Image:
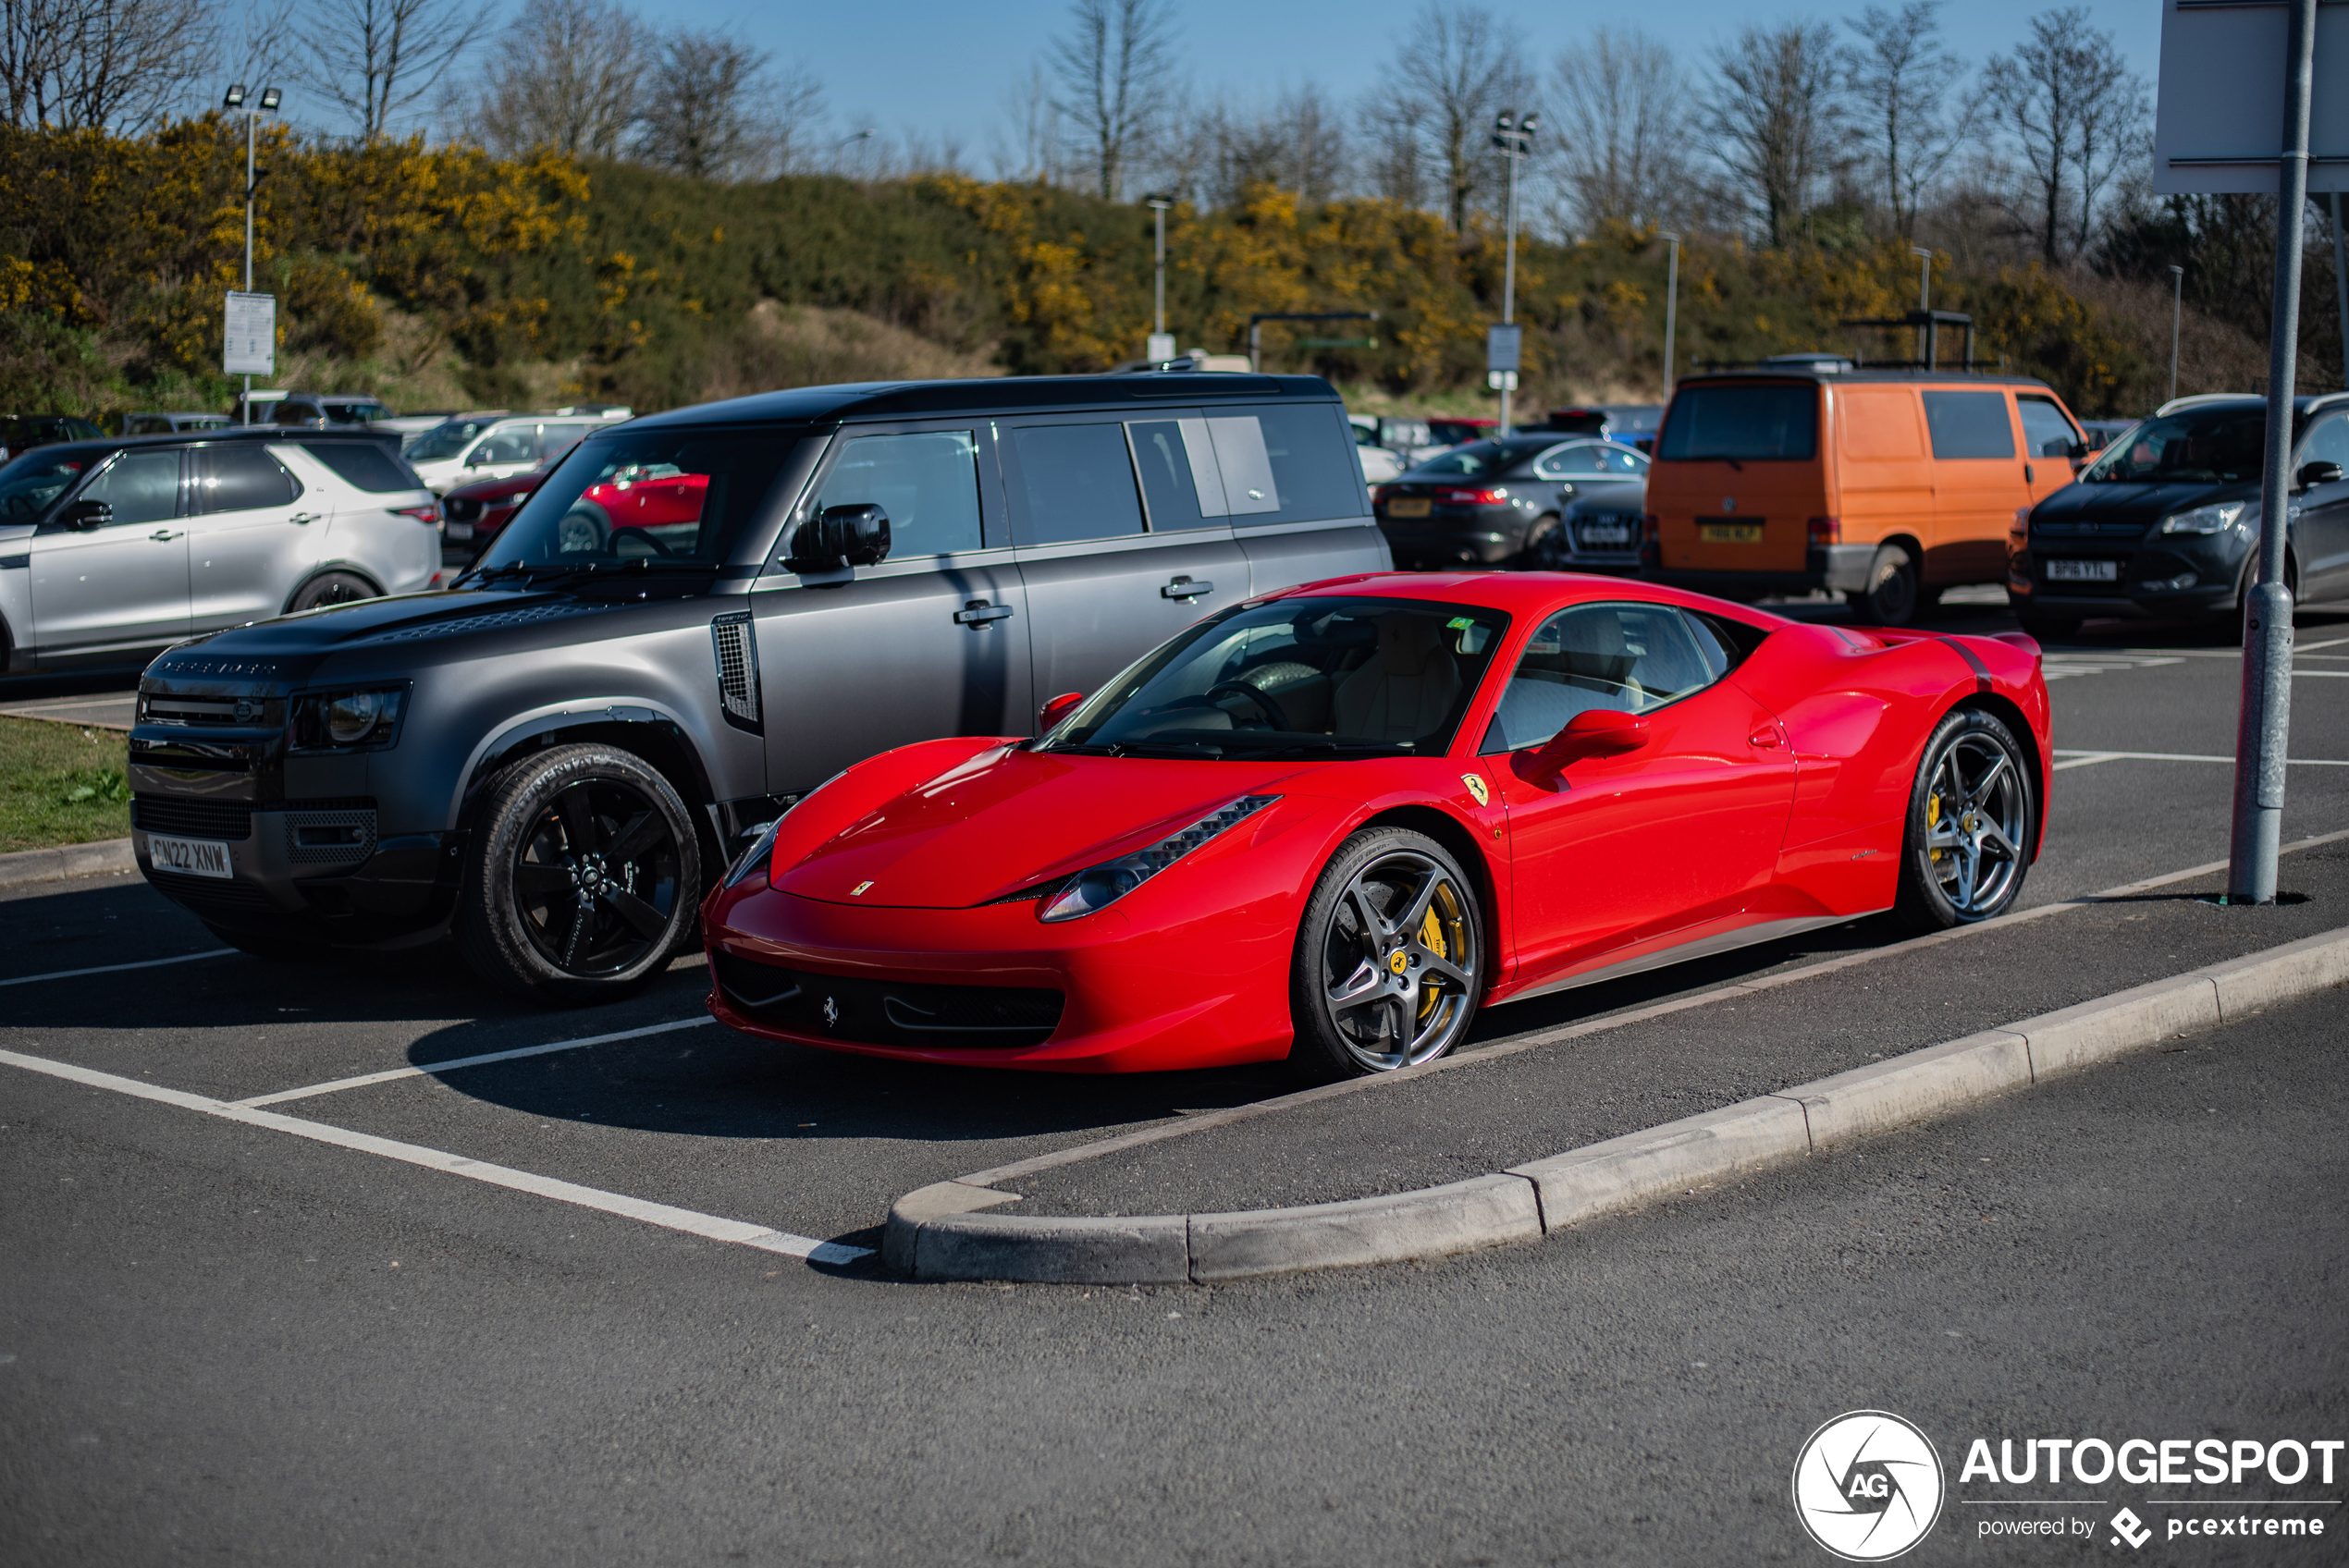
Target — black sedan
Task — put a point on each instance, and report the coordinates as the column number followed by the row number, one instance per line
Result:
column 2164, row 523
column 1545, row 501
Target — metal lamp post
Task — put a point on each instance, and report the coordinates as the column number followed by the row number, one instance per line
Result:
column 1513, row 134
column 234, row 99
column 1161, row 346
column 1925, row 296
column 1671, row 307
column 2177, row 309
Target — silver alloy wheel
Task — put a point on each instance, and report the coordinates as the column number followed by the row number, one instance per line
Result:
column 1976, row 816
column 1398, row 961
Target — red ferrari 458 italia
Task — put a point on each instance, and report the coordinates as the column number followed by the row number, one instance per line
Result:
column 1332, row 824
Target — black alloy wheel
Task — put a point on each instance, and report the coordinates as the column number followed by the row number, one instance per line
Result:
column 1389, row 966
column 1973, row 815
column 332, row 588
column 585, row 877
column 1891, row 596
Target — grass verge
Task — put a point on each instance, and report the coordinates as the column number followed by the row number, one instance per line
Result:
column 61, row 784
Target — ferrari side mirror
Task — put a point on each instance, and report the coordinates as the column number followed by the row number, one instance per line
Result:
column 1060, row 707
column 1594, row 732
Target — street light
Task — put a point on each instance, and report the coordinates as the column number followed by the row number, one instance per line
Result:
column 234, row 99
column 1671, row 307
column 1161, row 344
column 2177, row 309
column 1513, row 134
column 1925, row 298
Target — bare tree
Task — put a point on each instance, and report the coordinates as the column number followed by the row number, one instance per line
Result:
column 377, row 59
column 714, row 109
column 1394, row 159
column 1114, row 66
column 1297, row 144
column 566, row 77
column 1897, row 81
column 2065, row 97
column 1621, row 123
column 1030, row 146
column 1773, row 119
column 122, row 65
column 1448, row 80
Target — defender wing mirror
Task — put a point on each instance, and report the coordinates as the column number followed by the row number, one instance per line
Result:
column 1594, row 732
column 852, row 536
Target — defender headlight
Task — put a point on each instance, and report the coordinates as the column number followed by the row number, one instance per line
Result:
column 1104, row 884
column 343, row 720
column 2204, row 520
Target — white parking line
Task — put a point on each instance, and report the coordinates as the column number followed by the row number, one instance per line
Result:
column 110, row 968
column 2082, row 759
column 454, row 1062
column 739, row 1232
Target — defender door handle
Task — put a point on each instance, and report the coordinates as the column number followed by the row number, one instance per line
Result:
column 1183, row 588
column 978, row 613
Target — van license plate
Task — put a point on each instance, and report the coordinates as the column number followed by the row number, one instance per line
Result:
column 189, row 857
column 2083, row 571
column 1729, row 533
column 1408, row 506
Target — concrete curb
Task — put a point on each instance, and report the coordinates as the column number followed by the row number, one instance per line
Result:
column 936, row 1232
column 68, row 860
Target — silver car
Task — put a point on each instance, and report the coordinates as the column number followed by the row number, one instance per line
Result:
column 111, row 550
column 696, row 620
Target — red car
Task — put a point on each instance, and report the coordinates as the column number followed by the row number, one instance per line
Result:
column 474, row 513
column 646, row 498
column 1332, row 824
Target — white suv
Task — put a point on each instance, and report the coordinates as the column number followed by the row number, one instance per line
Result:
column 498, row 446
column 111, row 549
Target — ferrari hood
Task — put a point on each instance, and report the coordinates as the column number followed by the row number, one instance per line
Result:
column 1009, row 819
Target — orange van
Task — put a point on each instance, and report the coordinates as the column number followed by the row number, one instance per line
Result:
column 1884, row 485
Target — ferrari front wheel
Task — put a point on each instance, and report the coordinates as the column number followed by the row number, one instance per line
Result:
column 1972, row 817
column 1390, row 955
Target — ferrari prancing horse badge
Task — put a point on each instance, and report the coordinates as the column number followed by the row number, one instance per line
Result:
column 1476, row 787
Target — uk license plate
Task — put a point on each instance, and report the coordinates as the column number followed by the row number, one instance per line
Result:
column 1729, row 533
column 1606, row 533
column 1410, row 506
column 189, row 857
column 460, row 531
column 2083, row 571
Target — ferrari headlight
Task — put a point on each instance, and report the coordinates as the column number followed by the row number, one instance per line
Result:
column 2203, row 519
column 754, row 861
column 340, row 721
column 1104, row 884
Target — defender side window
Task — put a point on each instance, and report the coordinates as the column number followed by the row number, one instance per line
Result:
column 926, row 481
column 1077, row 482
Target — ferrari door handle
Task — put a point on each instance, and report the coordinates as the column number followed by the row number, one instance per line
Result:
column 164, row 535
column 978, row 614
column 1183, row 588
column 1766, row 738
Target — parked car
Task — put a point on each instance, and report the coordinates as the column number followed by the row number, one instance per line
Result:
column 410, row 427
column 328, row 409
column 556, row 757
column 1884, row 485
column 171, row 423
column 2166, row 522
column 472, row 514
column 2098, row 434
column 1379, row 464
column 1255, row 844
column 1507, row 503
column 1628, row 424
column 1460, row 432
column 1411, row 440
column 22, row 432
column 124, row 547
column 502, row 446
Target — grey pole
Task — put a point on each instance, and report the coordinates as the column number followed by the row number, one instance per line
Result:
column 1924, row 300
column 1671, row 308
column 2339, row 288
column 252, row 118
column 2264, row 724
column 1160, row 209
column 1508, row 269
column 2177, row 309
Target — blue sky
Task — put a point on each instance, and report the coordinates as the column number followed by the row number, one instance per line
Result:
column 940, row 69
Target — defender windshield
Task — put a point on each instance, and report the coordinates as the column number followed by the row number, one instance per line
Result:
column 2208, row 446
column 1313, row 677
column 656, row 496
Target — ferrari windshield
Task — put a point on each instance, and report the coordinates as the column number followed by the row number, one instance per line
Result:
column 2219, row 444
column 1307, row 676
column 659, row 498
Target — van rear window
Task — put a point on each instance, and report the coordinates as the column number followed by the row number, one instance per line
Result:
column 1747, row 423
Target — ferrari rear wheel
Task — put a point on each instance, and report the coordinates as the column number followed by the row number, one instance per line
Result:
column 1390, row 958
column 1972, row 817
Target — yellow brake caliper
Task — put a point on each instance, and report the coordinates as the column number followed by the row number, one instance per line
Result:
column 1432, row 938
column 1933, row 820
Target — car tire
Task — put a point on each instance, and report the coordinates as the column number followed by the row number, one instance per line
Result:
column 1541, row 546
column 1372, row 987
column 1974, row 814
column 1891, row 598
column 583, row 876
column 2046, row 628
column 332, row 588
column 582, row 530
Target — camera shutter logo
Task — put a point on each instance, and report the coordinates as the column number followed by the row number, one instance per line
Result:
column 1867, row 1486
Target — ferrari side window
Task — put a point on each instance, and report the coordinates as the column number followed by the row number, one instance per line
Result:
column 1631, row 658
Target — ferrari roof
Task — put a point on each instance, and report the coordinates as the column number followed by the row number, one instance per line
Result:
column 1513, row 592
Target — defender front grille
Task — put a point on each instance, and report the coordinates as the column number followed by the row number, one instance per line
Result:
column 735, row 642
column 192, row 819
column 329, row 838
